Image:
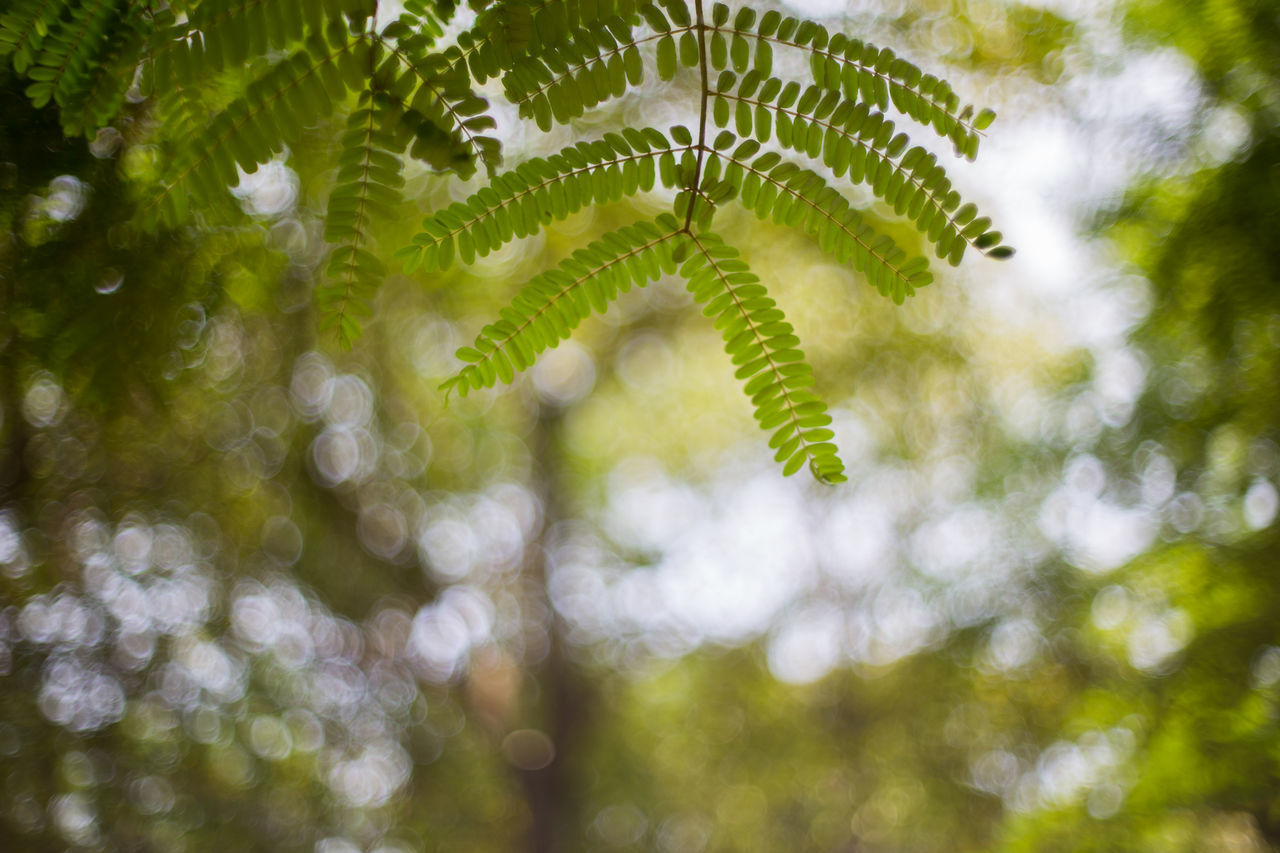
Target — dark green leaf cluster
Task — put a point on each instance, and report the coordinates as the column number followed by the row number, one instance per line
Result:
column 273, row 111
column 589, row 68
column 77, row 55
column 304, row 61
column 508, row 32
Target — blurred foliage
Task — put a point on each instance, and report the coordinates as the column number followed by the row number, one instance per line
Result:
column 256, row 594
column 994, row 38
column 1182, row 643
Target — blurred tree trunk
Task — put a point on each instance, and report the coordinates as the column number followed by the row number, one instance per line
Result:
column 12, row 432
column 558, row 694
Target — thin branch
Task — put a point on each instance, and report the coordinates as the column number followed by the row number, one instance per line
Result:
column 702, row 117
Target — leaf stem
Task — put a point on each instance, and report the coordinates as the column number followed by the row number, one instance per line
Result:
column 702, row 118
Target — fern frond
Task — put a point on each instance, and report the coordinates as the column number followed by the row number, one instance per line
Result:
column 863, row 72
column 432, row 88
column 507, row 32
column 554, row 70
column 577, row 75
column 765, row 350
column 519, row 203
column 368, row 185
column 852, row 138
column 416, row 93
column 552, row 305
column 772, row 188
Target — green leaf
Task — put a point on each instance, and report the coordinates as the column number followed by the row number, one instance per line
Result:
column 719, row 50
column 666, row 58
column 634, row 65
column 764, row 58
column 689, row 50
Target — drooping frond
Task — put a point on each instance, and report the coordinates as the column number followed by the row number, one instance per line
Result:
column 368, row 186
column 551, row 306
column 781, row 191
column 410, row 98
column 414, row 100
column 766, row 352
